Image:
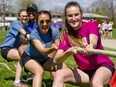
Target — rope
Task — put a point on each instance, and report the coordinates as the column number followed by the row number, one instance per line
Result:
column 7, row 67
column 97, row 51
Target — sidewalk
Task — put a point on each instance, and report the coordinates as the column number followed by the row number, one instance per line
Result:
column 109, row 43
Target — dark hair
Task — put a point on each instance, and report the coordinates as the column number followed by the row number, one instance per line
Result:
column 32, row 6
column 72, row 35
column 44, row 12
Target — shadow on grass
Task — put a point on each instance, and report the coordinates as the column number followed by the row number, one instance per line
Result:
column 9, row 78
column 47, row 83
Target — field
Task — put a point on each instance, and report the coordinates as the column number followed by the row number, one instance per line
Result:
column 7, row 69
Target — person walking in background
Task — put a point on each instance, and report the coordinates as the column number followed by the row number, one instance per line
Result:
column 43, row 41
column 110, row 25
column 104, row 29
column 94, row 70
column 60, row 25
column 55, row 24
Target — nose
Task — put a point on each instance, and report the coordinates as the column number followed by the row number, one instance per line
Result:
column 73, row 17
column 44, row 23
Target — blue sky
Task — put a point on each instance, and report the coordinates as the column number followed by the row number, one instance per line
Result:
column 49, row 4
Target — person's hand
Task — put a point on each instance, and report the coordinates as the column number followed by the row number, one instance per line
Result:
column 25, row 41
column 28, row 36
column 54, row 46
column 89, row 47
column 74, row 50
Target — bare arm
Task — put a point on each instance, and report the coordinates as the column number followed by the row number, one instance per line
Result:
column 51, row 55
column 61, row 55
column 93, row 41
column 39, row 46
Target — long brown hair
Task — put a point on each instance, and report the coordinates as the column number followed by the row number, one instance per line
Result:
column 73, row 37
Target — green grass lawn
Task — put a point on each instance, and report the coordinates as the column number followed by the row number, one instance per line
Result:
column 7, row 76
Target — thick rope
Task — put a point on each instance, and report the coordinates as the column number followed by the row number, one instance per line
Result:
column 97, row 51
column 3, row 64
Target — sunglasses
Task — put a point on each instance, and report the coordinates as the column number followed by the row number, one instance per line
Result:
column 43, row 21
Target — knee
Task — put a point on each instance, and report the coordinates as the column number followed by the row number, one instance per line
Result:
column 39, row 72
column 59, row 75
column 95, row 83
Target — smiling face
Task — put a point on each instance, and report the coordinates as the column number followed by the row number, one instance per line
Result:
column 74, row 16
column 23, row 17
column 44, row 23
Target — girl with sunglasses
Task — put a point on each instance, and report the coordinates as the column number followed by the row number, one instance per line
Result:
column 43, row 41
column 94, row 70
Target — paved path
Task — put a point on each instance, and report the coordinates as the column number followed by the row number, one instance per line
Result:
column 109, row 43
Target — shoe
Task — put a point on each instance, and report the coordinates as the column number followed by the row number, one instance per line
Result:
column 19, row 84
column 30, row 78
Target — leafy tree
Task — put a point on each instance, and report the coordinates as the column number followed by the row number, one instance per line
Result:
column 4, row 7
column 19, row 4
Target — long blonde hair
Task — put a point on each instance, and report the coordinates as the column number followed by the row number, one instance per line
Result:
column 73, row 37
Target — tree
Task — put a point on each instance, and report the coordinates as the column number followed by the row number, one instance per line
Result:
column 19, row 4
column 4, row 6
column 105, row 7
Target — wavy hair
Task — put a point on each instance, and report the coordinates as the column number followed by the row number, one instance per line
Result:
column 73, row 37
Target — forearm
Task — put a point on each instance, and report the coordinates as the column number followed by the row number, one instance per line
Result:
column 93, row 40
column 62, row 56
column 47, row 51
column 43, row 50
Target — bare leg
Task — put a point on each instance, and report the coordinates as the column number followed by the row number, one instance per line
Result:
column 18, row 67
column 51, row 55
column 74, row 76
column 101, row 77
column 50, row 66
column 37, row 70
column 22, row 48
column 18, row 72
column 13, row 54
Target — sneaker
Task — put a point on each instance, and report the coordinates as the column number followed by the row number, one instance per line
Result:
column 19, row 84
column 30, row 78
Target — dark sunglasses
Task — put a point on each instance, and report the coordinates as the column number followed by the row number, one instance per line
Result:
column 42, row 21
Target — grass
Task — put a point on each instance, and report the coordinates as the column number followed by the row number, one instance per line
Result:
column 7, row 76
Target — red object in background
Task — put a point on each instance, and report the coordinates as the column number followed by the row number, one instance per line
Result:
column 113, row 80
column 96, row 22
